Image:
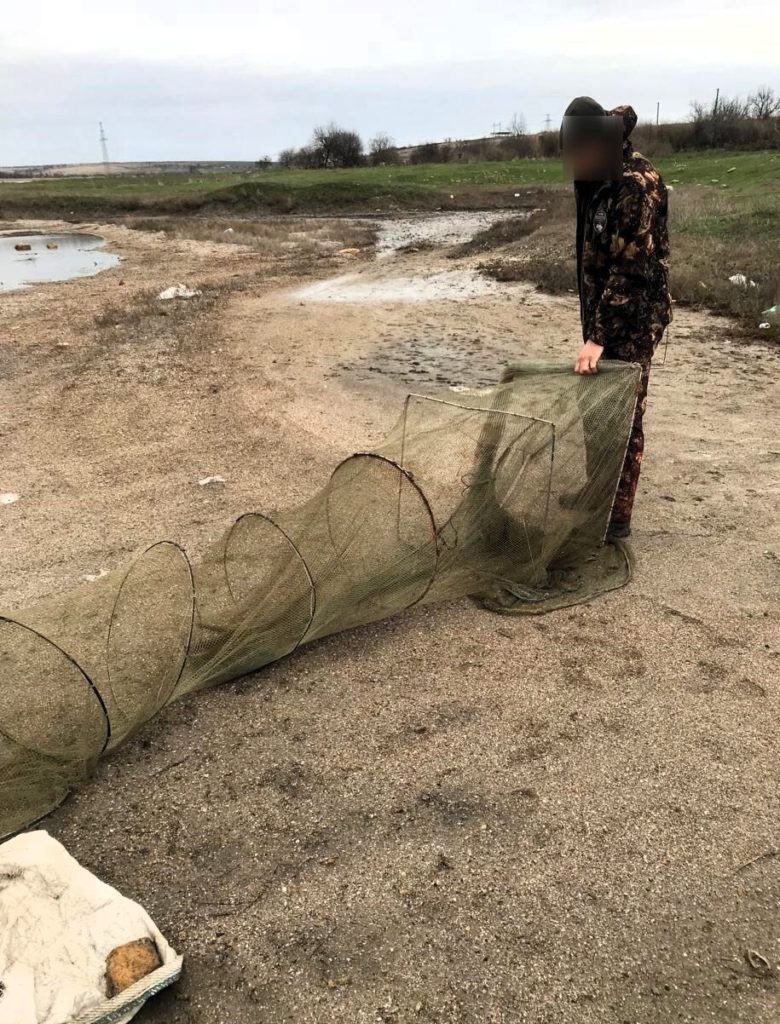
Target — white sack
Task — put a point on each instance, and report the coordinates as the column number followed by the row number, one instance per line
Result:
column 58, row 923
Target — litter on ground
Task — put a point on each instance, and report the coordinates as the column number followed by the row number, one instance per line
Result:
column 742, row 281
column 93, row 576
column 73, row 950
column 179, row 291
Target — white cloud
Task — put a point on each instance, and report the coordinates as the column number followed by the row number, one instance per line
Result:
column 236, row 79
column 309, row 35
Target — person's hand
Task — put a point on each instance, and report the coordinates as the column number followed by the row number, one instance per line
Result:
column 588, row 358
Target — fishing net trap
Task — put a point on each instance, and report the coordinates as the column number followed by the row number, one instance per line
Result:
column 502, row 494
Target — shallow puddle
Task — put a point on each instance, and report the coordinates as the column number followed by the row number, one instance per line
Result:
column 438, row 229
column 26, row 260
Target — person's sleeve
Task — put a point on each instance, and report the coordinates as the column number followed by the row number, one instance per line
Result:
column 623, row 303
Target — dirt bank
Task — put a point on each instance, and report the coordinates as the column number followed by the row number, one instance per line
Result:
column 448, row 817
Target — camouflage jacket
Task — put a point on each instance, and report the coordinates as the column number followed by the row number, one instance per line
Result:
column 624, row 296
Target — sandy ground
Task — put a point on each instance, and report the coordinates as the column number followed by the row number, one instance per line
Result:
column 450, row 816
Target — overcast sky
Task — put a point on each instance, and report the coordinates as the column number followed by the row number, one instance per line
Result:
column 237, row 79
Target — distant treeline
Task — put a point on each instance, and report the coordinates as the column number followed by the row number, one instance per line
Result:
column 726, row 123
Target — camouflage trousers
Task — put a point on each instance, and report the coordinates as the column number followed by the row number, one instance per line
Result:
column 638, row 351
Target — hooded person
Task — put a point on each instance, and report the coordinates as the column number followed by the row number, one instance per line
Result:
column 622, row 248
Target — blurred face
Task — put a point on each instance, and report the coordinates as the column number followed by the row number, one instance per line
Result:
column 592, row 148
column 587, row 161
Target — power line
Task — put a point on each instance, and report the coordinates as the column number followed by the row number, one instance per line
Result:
column 104, row 148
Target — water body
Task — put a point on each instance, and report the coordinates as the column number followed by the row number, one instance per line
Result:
column 58, row 257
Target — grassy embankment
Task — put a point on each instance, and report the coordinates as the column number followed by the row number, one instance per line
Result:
column 725, row 212
column 724, row 220
column 362, row 190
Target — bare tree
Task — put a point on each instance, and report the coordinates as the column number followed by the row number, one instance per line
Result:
column 308, row 157
column 722, row 109
column 730, row 110
column 719, row 123
column 517, row 126
column 764, row 104
column 548, row 144
column 337, row 147
column 382, row 149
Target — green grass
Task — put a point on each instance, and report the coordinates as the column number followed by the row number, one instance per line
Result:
column 727, row 217
column 435, row 176
column 408, row 186
column 744, row 174
column 725, row 208
column 715, row 232
column 302, row 191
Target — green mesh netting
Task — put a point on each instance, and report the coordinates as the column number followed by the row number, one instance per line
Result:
column 503, row 494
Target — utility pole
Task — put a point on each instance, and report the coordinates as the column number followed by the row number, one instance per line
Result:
column 657, row 112
column 104, row 148
column 547, row 123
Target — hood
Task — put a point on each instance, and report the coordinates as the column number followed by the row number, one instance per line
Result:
column 628, row 116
